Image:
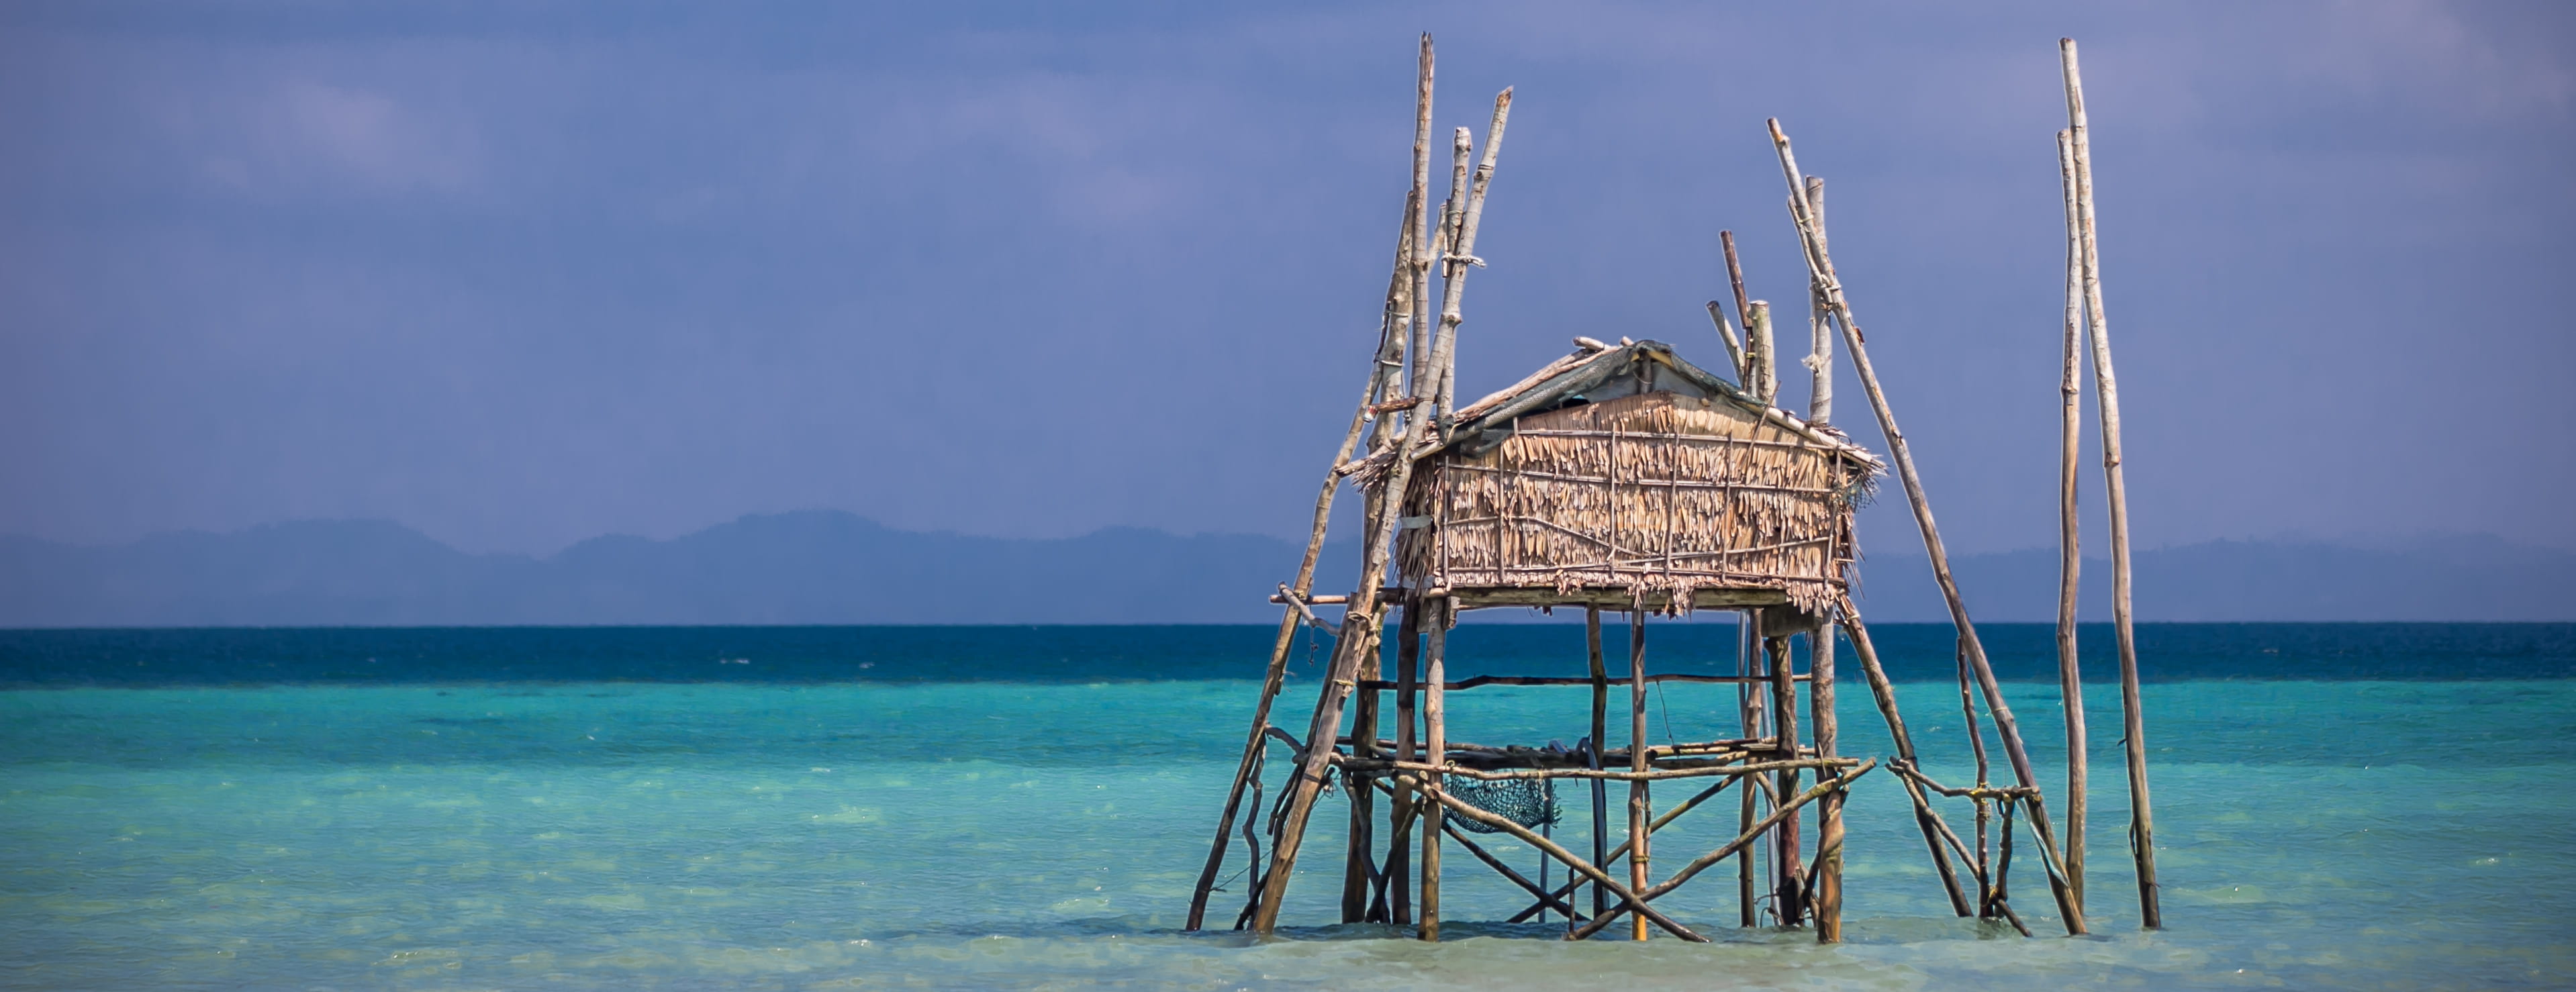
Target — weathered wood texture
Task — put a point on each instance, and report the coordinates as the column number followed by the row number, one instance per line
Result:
column 2106, row 396
column 2070, row 538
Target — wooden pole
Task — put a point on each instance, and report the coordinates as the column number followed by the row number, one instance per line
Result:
column 1600, row 732
column 1743, row 306
column 1788, row 864
column 1726, row 336
column 1884, row 692
column 2070, row 562
column 1309, row 778
column 1853, row 341
column 1436, row 733
column 2106, row 395
column 1748, row 703
column 1444, row 345
column 1820, row 337
column 1761, row 357
column 1638, row 803
column 1419, row 378
column 1398, row 315
column 1359, row 865
column 1829, row 810
column 1402, row 810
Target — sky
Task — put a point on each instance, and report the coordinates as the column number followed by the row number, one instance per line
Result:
column 521, row 274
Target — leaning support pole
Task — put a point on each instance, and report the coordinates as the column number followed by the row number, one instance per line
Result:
column 1379, row 540
column 2142, row 830
column 1382, row 369
column 1821, row 265
column 1884, row 692
column 2070, row 562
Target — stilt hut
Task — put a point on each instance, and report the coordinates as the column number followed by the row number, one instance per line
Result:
column 1619, row 478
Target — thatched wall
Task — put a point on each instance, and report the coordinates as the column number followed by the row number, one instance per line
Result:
column 1650, row 492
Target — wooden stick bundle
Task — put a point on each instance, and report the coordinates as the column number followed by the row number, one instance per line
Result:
column 2142, row 831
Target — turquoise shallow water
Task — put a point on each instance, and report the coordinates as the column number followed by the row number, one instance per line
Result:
column 567, row 834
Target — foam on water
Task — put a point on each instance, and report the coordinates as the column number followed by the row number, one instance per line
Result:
column 2344, row 834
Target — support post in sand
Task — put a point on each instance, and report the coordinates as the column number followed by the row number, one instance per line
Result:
column 1829, row 810
column 1600, row 729
column 2070, row 562
column 1638, row 803
column 1436, row 742
column 1748, row 639
column 1822, row 264
column 1398, row 871
column 1359, row 861
column 1788, row 864
column 2142, row 830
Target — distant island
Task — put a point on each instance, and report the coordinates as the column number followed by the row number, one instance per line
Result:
column 829, row 567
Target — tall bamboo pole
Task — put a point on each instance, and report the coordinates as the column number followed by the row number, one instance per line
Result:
column 1418, row 378
column 1382, row 368
column 1638, row 809
column 2070, row 673
column 1308, row 780
column 2005, row 727
column 2106, row 390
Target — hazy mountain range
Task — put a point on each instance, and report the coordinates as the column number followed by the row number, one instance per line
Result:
column 825, row 567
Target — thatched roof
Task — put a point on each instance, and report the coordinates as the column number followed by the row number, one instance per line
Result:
column 1592, row 375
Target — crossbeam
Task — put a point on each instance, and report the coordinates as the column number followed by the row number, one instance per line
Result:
column 1701, row 863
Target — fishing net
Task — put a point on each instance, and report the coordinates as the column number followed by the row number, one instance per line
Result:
column 1530, row 802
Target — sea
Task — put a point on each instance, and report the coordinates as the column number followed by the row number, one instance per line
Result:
column 2336, row 806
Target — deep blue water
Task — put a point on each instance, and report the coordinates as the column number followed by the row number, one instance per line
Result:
column 2338, row 806
column 380, row 655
